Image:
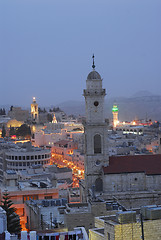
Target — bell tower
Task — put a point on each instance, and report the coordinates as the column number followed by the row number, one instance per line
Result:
column 34, row 110
column 95, row 129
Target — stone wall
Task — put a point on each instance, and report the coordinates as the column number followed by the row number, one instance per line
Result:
column 131, row 182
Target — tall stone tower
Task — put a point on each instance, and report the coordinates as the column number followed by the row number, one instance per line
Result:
column 34, row 110
column 95, row 129
column 115, row 115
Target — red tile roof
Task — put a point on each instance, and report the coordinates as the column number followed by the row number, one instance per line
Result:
column 150, row 164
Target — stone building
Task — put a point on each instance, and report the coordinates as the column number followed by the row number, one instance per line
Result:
column 128, row 225
column 18, row 114
column 21, row 158
column 95, row 129
column 134, row 177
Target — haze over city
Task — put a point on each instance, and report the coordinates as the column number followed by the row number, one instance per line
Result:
column 46, row 48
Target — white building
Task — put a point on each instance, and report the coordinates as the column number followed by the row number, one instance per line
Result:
column 20, row 158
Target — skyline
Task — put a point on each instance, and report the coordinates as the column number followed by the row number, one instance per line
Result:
column 47, row 45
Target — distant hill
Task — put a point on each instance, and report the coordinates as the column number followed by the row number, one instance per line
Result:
column 142, row 105
column 139, row 106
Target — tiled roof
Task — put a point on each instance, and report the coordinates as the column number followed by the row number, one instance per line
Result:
column 150, row 164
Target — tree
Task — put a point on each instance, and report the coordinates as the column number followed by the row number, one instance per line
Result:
column 23, row 131
column 13, row 220
column 2, row 111
column 49, row 117
column 3, row 131
column 12, row 131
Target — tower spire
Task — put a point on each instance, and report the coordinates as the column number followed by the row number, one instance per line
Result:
column 93, row 66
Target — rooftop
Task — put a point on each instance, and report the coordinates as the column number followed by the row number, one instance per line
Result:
column 150, row 164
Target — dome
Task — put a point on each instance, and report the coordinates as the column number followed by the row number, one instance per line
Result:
column 94, row 75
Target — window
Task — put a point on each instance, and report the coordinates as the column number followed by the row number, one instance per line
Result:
column 15, row 157
column 28, row 157
column 39, row 156
column 12, row 157
column 32, row 157
column 48, row 197
column 42, row 156
column 19, row 157
column 97, row 143
column 23, row 157
column 96, row 103
column 24, row 164
column 35, row 156
column 99, row 185
column 26, row 198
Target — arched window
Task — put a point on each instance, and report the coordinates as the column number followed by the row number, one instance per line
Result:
column 97, row 143
column 98, row 185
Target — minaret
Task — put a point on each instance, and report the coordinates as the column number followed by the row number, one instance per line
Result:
column 115, row 116
column 95, row 129
column 34, row 110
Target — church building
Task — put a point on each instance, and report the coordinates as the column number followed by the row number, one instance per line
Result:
column 117, row 176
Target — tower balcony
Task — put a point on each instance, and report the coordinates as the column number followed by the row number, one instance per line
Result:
column 94, row 92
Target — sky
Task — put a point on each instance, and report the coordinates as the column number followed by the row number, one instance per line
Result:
column 46, row 48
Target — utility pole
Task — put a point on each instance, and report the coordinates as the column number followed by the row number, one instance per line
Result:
column 42, row 224
column 142, row 226
column 51, row 220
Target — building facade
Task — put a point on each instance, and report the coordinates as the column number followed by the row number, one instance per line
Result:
column 95, row 129
column 23, row 158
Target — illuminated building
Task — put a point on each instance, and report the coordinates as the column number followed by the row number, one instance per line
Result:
column 25, row 190
column 14, row 123
column 115, row 115
column 34, row 110
column 54, row 119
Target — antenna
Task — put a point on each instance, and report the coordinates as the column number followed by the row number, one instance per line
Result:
column 93, row 66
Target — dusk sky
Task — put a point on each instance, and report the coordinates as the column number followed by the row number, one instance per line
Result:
column 46, row 48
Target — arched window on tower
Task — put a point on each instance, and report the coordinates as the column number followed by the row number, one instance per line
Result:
column 97, row 143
